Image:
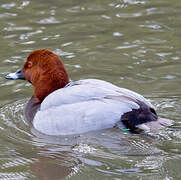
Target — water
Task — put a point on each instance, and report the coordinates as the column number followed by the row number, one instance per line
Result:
column 132, row 43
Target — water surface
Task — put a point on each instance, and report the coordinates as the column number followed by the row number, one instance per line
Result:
column 133, row 44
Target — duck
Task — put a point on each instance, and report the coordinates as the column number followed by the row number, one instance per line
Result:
column 63, row 107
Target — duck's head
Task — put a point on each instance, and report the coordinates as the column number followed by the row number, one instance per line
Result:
column 45, row 71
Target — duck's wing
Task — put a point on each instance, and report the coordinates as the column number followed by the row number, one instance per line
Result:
column 110, row 86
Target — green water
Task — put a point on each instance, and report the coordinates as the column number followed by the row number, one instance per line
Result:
column 133, row 44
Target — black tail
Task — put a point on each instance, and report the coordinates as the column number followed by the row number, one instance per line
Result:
column 144, row 118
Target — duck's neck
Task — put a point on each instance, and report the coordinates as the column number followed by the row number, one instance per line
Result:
column 50, row 82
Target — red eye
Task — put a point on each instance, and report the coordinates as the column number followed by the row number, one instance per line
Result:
column 29, row 64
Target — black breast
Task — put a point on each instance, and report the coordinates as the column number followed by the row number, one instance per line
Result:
column 31, row 109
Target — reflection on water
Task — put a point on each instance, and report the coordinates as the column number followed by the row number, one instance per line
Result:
column 131, row 43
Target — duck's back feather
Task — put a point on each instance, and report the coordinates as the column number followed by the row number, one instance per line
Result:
column 88, row 89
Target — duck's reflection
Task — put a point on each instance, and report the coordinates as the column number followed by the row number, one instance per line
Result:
column 47, row 169
column 55, row 160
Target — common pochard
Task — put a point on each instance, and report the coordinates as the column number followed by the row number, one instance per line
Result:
column 61, row 107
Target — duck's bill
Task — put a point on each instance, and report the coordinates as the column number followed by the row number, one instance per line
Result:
column 16, row 75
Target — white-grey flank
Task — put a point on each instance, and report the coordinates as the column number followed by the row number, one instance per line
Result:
column 83, row 106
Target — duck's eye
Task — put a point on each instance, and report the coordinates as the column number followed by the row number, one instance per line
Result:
column 29, row 64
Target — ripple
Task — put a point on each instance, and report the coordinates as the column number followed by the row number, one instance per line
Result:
column 66, row 44
column 29, row 34
column 106, row 17
column 18, row 28
column 151, row 11
column 127, row 15
column 12, row 118
column 83, row 148
column 28, row 42
column 7, row 15
column 151, row 163
column 134, row 2
column 8, row 6
column 17, row 161
column 10, row 36
column 75, row 9
column 175, row 58
column 163, row 54
column 127, row 47
column 14, row 132
column 169, row 106
column 63, row 53
column 153, row 26
column 14, row 176
column 117, row 34
column 24, row 4
column 169, row 77
column 119, row 171
column 50, row 20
